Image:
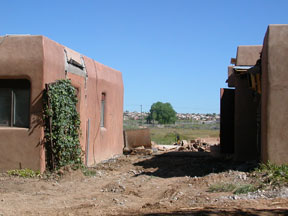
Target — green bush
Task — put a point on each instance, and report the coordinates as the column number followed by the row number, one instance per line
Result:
column 273, row 174
column 25, row 173
column 62, row 125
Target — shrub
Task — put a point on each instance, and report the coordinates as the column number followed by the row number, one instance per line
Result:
column 273, row 174
column 25, row 173
column 62, row 125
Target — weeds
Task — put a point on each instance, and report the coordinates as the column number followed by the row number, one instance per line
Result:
column 89, row 172
column 187, row 130
column 24, row 173
column 273, row 174
column 168, row 135
column 266, row 175
column 222, row 187
column 244, row 189
column 236, row 189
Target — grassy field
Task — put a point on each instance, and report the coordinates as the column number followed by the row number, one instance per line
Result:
column 168, row 135
column 186, row 130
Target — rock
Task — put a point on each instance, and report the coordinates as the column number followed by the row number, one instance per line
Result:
column 114, row 188
column 181, row 148
column 184, row 142
column 126, row 151
column 201, row 149
column 142, row 151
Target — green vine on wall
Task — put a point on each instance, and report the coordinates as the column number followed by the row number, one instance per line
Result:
column 61, row 125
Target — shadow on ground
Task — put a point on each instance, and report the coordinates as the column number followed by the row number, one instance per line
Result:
column 177, row 164
column 215, row 212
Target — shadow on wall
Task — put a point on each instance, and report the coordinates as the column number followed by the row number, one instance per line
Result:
column 178, row 164
column 36, row 111
column 214, row 212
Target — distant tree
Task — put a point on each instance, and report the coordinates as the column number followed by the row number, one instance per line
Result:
column 162, row 112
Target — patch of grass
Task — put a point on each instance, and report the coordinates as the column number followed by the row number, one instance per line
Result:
column 186, row 129
column 273, row 174
column 235, row 188
column 168, row 135
column 88, row 172
column 131, row 124
column 245, row 188
column 222, row 187
column 24, row 173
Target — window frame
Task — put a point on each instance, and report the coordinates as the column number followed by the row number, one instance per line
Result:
column 102, row 110
column 11, row 86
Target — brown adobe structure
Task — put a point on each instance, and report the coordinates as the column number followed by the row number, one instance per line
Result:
column 254, row 113
column 27, row 63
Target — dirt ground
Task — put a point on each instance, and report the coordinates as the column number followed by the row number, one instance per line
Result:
column 170, row 183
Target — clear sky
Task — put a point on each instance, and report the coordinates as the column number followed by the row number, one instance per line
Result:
column 173, row 51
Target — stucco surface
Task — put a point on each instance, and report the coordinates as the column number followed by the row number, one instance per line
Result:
column 248, row 55
column 21, row 57
column 42, row 61
column 245, row 121
column 106, row 141
column 275, row 95
column 136, row 138
column 231, row 77
column 53, row 63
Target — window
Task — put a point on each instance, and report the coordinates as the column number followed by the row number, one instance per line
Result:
column 102, row 109
column 14, row 102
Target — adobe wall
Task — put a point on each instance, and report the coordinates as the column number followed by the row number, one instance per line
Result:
column 248, row 55
column 136, row 138
column 22, row 57
column 231, row 77
column 104, row 142
column 227, row 98
column 245, row 121
column 245, row 117
column 54, row 69
column 42, row 61
column 275, row 95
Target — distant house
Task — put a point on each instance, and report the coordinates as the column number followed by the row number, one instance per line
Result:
column 27, row 63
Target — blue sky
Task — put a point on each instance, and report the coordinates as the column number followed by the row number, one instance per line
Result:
column 173, row 51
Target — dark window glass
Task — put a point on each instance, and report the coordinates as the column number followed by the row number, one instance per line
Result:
column 5, row 107
column 14, row 103
column 21, row 107
column 102, row 110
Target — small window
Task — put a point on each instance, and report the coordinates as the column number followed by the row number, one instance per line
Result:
column 14, row 102
column 102, row 109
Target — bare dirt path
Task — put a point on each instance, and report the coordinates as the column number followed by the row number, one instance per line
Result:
column 173, row 183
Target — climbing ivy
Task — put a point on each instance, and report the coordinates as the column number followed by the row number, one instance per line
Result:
column 61, row 125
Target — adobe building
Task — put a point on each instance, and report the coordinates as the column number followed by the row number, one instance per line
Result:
column 274, row 97
column 239, row 107
column 27, row 63
column 253, row 112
